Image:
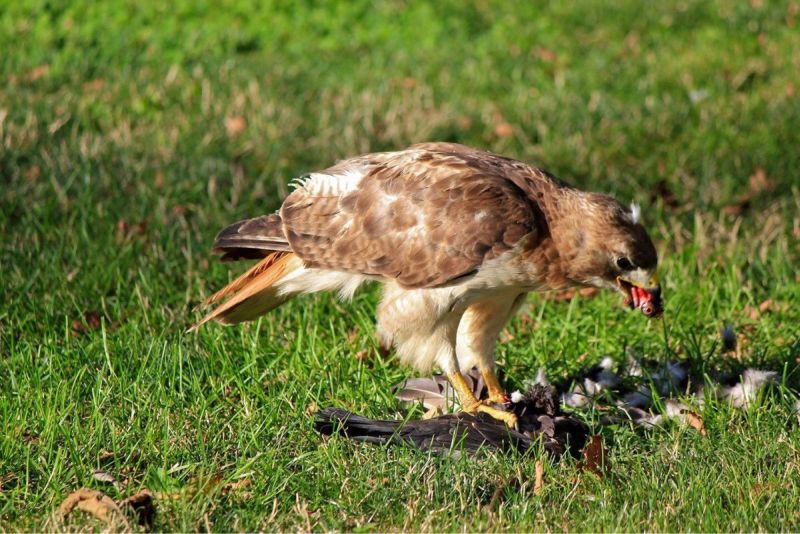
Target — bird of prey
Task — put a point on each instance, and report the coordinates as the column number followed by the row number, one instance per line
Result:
column 456, row 236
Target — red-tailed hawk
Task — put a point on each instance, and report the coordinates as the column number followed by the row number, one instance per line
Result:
column 456, row 236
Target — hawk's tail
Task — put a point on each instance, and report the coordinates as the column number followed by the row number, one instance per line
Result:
column 252, row 238
column 255, row 292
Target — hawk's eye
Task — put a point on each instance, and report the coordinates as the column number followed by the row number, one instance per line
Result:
column 624, row 264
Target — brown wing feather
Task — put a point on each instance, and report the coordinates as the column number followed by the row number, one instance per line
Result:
column 425, row 216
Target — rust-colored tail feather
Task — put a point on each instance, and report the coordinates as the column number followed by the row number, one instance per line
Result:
column 254, row 293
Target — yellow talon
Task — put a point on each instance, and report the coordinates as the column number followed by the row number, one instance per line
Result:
column 472, row 405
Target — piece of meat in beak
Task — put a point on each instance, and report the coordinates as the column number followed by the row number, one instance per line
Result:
column 645, row 298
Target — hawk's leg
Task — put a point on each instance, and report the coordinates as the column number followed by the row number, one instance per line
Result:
column 478, row 331
column 496, row 392
column 472, row 405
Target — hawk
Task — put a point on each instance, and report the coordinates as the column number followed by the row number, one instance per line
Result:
column 456, row 236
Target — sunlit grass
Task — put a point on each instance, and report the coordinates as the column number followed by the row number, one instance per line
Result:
column 118, row 164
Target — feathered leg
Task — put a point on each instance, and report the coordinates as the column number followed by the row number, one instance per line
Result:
column 423, row 326
column 478, row 330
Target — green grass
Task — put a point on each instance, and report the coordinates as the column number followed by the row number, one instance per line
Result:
column 116, row 171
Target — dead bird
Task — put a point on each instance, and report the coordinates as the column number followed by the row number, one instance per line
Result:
column 537, row 413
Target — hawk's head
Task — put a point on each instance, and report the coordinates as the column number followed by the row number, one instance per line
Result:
column 612, row 250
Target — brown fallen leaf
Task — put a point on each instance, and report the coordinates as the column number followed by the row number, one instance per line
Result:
column 93, row 86
column 765, row 306
column 409, row 83
column 235, row 125
column 758, row 183
column 538, row 481
column 311, row 409
column 661, row 190
column 752, row 312
column 92, row 320
column 595, row 457
column 791, row 13
column 695, row 421
column 32, row 173
column 93, row 502
column 526, row 319
column 38, row 72
column 545, row 54
column 236, row 486
column 506, row 336
column 464, row 122
column 142, row 505
column 352, row 335
column 127, row 231
column 503, row 129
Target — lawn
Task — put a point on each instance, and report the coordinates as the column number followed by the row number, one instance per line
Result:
column 131, row 132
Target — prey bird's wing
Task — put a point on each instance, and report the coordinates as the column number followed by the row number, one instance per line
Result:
column 425, row 216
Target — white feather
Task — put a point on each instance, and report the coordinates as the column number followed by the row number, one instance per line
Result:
column 636, row 212
column 320, row 184
column 313, row 280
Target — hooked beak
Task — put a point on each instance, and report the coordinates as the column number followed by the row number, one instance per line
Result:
column 644, row 296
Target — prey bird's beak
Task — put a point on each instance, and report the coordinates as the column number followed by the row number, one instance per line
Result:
column 642, row 292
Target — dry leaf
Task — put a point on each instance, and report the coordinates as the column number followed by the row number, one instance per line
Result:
column 661, row 190
column 464, row 122
column 92, row 320
column 526, row 319
column 142, row 505
column 751, row 312
column 196, row 486
column 311, row 409
column 504, row 129
column 759, row 183
column 236, row 486
column 506, row 336
column 546, row 55
column 127, row 231
column 94, row 85
column 538, row 481
column 765, row 306
column 93, row 502
column 352, row 335
column 38, row 72
column 695, row 421
column 235, row 125
column 560, row 296
column 595, row 457
column 32, row 173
